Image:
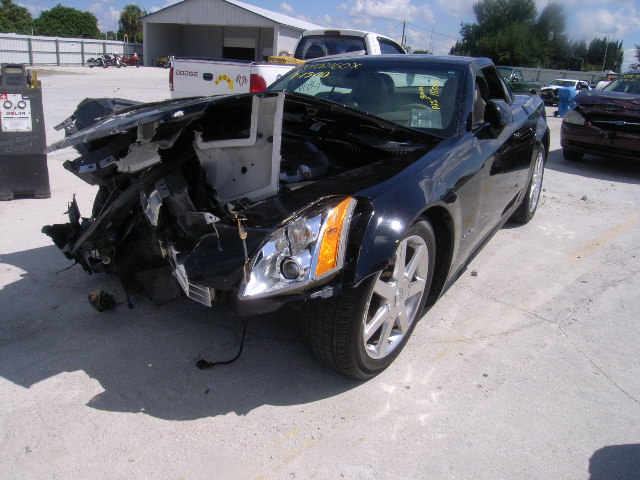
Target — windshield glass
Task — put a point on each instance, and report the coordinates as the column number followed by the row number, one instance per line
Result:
column 563, row 83
column 505, row 72
column 627, row 83
column 420, row 95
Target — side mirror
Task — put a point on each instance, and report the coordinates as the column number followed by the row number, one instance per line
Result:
column 498, row 113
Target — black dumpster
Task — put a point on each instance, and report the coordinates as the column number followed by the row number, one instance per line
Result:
column 23, row 163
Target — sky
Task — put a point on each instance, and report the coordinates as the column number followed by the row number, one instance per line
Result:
column 432, row 25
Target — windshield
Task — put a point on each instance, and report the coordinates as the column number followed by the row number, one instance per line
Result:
column 627, row 83
column 505, row 72
column 563, row 83
column 420, row 95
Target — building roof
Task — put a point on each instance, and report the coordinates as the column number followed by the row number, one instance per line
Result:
column 279, row 18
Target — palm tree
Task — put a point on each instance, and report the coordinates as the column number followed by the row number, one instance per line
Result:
column 130, row 21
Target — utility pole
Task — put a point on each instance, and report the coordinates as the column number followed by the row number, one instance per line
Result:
column 433, row 29
column 404, row 25
column 606, row 39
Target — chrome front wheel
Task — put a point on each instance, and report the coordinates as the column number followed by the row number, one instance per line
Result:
column 362, row 330
column 395, row 298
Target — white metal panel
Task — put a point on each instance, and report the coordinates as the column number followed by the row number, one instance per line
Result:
column 286, row 40
column 45, row 58
column 14, row 43
column 14, row 57
column 44, row 45
column 69, row 46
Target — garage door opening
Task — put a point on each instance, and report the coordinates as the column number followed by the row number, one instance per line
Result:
column 239, row 48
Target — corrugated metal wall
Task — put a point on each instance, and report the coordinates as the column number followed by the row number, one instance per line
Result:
column 36, row 50
column 209, row 12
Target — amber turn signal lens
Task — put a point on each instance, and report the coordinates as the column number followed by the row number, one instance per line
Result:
column 330, row 245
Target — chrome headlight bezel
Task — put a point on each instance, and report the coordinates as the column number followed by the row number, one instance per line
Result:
column 299, row 242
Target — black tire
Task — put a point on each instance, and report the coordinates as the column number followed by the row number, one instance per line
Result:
column 334, row 328
column 104, row 65
column 529, row 204
column 572, row 155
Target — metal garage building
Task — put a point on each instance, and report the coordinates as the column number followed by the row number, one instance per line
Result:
column 219, row 29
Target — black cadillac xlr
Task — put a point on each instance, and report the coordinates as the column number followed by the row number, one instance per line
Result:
column 360, row 185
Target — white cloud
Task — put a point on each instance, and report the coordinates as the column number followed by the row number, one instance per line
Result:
column 107, row 15
column 325, row 20
column 168, row 3
column 458, row 8
column 390, row 9
column 285, row 7
column 33, row 10
column 588, row 23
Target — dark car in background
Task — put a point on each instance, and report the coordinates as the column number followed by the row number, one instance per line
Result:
column 514, row 77
column 362, row 186
column 604, row 122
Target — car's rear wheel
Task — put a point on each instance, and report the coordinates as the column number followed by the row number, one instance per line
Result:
column 572, row 155
column 527, row 208
column 360, row 332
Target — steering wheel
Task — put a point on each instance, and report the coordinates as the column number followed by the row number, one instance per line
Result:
column 409, row 106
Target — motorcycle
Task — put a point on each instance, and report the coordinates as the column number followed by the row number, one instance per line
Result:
column 164, row 62
column 94, row 62
column 132, row 60
column 111, row 60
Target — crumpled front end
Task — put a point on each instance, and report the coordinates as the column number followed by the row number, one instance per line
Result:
column 248, row 197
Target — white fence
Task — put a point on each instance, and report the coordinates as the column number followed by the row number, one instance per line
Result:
column 545, row 75
column 35, row 50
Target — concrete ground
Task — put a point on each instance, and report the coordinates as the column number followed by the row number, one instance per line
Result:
column 528, row 368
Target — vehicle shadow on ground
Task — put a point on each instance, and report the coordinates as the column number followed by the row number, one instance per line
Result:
column 144, row 358
column 592, row 166
column 615, row 462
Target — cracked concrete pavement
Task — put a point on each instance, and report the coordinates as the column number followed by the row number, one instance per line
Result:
column 529, row 369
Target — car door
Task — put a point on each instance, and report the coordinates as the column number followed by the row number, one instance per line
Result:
column 507, row 152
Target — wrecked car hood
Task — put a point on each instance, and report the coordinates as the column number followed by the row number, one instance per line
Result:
column 190, row 189
column 183, row 110
column 604, row 100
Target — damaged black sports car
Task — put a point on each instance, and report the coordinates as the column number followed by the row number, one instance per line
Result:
column 359, row 185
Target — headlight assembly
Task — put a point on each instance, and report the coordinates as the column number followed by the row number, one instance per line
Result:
column 574, row 117
column 305, row 250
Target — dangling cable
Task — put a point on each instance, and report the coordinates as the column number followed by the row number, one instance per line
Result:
column 203, row 364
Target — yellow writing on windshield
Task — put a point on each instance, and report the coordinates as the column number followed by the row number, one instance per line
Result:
column 330, row 66
column 305, row 75
column 433, row 102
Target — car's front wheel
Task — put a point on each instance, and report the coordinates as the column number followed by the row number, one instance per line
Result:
column 360, row 332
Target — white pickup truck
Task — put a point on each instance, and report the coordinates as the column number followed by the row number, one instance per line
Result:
column 192, row 77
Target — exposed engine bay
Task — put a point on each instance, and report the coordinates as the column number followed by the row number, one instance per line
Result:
column 214, row 195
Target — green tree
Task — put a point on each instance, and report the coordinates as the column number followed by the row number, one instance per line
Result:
column 130, row 22
column 636, row 66
column 494, row 16
column 14, row 18
column 67, row 22
column 605, row 54
column 512, row 33
column 420, row 51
